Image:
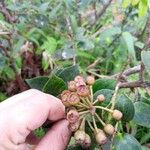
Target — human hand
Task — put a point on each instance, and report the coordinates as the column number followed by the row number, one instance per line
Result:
column 25, row 112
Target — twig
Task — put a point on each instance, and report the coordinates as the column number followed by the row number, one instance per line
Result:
column 134, row 84
column 113, row 99
column 102, row 11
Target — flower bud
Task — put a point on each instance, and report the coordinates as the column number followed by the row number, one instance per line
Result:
column 73, row 99
column 73, row 127
column 101, row 98
column 83, row 90
column 87, row 141
column 79, row 136
column 90, row 80
column 101, row 137
column 117, row 114
column 73, row 116
column 72, row 86
column 64, row 97
column 109, row 129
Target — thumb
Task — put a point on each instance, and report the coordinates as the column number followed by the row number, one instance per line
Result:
column 56, row 138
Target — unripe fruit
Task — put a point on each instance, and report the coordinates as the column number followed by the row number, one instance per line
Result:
column 74, row 126
column 83, row 90
column 79, row 81
column 72, row 86
column 73, row 116
column 79, row 136
column 109, row 129
column 78, row 78
column 87, row 141
column 73, row 99
column 101, row 98
column 90, row 80
column 64, row 97
column 101, row 137
column 117, row 114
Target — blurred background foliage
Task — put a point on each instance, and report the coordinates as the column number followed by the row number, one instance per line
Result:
column 102, row 36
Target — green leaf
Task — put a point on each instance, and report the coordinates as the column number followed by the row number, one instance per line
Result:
column 134, row 2
column 107, row 93
column 143, row 8
column 54, row 86
column 125, row 105
column 145, row 56
column 37, row 82
column 69, row 73
column 142, row 114
column 126, row 142
column 104, row 84
column 129, row 41
column 50, row 45
column 126, row 3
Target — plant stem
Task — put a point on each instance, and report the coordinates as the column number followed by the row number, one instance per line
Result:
column 88, row 101
column 103, row 108
column 90, row 125
column 91, row 91
column 84, row 112
column 94, row 123
column 113, row 99
column 84, row 101
column 95, row 102
column 82, row 105
column 100, row 120
column 82, row 125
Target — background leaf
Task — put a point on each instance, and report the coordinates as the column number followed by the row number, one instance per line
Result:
column 145, row 55
column 54, row 86
column 142, row 114
column 69, row 73
column 126, row 142
column 37, row 82
column 104, row 84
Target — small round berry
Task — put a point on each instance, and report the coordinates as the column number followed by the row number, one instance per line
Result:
column 101, row 98
column 117, row 114
column 64, row 97
column 83, row 90
column 72, row 86
column 73, row 99
column 101, row 137
column 73, row 116
column 78, row 78
column 79, row 136
column 73, row 127
column 90, row 80
column 87, row 142
column 109, row 129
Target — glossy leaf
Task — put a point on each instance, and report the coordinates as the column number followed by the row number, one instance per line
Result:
column 54, row 86
column 37, row 82
column 126, row 142
column 142, row 114
column 128, row 38
column 69, row 73
column 104, row 84
column 145, row 55
column 125, row 105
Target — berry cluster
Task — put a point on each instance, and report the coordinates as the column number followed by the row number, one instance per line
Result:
column 80, row 104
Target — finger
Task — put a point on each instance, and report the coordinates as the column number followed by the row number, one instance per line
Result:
column 17, row 98
column 57, row 138
column 30, row 114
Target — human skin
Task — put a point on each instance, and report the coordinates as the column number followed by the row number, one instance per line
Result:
column 27, row 111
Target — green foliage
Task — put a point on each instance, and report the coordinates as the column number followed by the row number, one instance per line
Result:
column 104, row 84
column 142, row 116
column 126, row 142
column 125, row 105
